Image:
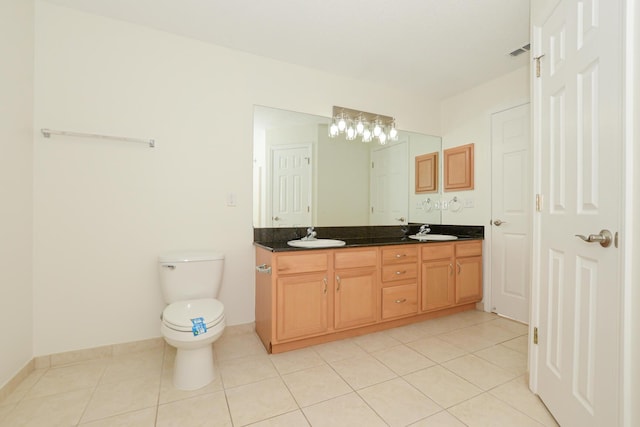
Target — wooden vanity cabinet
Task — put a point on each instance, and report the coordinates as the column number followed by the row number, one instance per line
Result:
column 468, row 271
column 310, row 297
column 437, row 276
column 399, row 281
column 355, row 295
column 301, row 294
column 451, row 274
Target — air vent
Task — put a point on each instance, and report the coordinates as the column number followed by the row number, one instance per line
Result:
column 521, row 50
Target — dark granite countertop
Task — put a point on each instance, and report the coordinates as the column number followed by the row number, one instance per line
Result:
column 275, row 239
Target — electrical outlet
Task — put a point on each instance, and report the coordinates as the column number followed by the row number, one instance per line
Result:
column 468, row 203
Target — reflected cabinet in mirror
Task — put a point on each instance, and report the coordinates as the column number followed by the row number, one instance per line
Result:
column 302, row 177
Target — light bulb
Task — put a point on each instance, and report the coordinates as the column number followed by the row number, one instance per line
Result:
column 377, row 129
column 351, row 133
column 360, row 126
column 366, row 135
column 383, row 138
column 333, row 130
column 393, row 132
column 342, row 124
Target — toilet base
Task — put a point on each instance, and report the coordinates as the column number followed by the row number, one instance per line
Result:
column 193, row 368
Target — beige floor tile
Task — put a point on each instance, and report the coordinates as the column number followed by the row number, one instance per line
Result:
column 315, row 385
column 408, row 333
column 478, row 371
column 206, row 410
column 442, row 386
column 520, row 344
column 436, row 349
column 402, row 359
column 376, row 341
column 62, row 409
column 516, row 327
column 133, row 365
column 121, row 397
column 398, row 403
column 488, row 411
column 237, row 346
column 23, row 388
column 142, row 418
column 168, row 393
column 4, row 411
column 68, row 378
column 441, row 419
column 338, row 350
column 496, row 331
column 477, row 316
column 291, row 419
column 507, row 359
column 258, row 401
column 467, row 339
column 236, row 372
column 517, row 394
column 296, row 360
column 344, row 411
column 363, row 371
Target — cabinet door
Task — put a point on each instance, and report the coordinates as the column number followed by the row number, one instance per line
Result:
column 437, row 284
column 468, row 279
column 355, row 298
column 301, row 305
column 458, row 168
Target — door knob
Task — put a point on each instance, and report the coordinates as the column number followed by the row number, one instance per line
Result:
column 604, row 238
column 401, row 219
column 276, row 218
column 498, row 222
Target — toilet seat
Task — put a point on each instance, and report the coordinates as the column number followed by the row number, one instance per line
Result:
column 177, row 316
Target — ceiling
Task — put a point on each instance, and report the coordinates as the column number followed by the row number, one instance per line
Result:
column 436, row 48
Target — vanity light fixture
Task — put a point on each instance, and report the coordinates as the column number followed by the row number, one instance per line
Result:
column 354, row 123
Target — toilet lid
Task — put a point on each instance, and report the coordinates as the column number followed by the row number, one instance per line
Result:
column 179, row 314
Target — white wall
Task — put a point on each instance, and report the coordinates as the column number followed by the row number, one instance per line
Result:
column 466, row 118
column 16, row 178
column 106, row 209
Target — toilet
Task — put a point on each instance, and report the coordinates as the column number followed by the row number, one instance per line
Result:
column 193, row 318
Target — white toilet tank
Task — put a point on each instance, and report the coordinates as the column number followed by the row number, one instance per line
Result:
column 190, row 275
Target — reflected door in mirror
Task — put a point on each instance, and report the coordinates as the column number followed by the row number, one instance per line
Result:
column 291, row 186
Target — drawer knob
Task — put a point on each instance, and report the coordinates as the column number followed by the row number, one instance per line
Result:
column 398, row 273
column 401, row 255
column 400, row 301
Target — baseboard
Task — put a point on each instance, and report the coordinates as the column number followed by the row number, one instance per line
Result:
column 14, row 382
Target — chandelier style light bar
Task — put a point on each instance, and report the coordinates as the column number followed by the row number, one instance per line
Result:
column 354, row 123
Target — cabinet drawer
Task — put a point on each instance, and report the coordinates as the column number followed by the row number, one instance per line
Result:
column 399, row 301
column 356, row 258
column 302, row 263
column 437, row 251
column 395, row 272
column 473, row 248
column 399, row 254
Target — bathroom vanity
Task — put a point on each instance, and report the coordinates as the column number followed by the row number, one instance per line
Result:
column 310, row 296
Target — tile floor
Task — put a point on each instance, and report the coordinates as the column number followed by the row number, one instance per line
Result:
column 467, row 369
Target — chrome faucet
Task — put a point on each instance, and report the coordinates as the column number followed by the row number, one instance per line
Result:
column 311, row 234
column 424, row 229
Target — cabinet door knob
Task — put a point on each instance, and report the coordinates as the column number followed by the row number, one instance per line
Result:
column 325, row 281
column 459, row 267
column 338, row 280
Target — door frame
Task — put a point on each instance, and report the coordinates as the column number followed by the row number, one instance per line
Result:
column 629, row 227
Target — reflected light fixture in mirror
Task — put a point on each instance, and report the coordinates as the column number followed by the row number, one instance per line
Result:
column 354, row 123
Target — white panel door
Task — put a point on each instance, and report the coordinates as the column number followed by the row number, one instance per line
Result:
column 291, row 186
column 390, row 185
column 578, row 368
column 511, row 197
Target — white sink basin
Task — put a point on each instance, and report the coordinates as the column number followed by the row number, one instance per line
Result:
column 316, row 243
column 427, row 237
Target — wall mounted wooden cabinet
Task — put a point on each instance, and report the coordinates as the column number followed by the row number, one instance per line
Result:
column 458, row 168
column 427, row 173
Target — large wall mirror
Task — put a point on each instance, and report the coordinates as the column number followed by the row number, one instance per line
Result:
column 302, row 177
